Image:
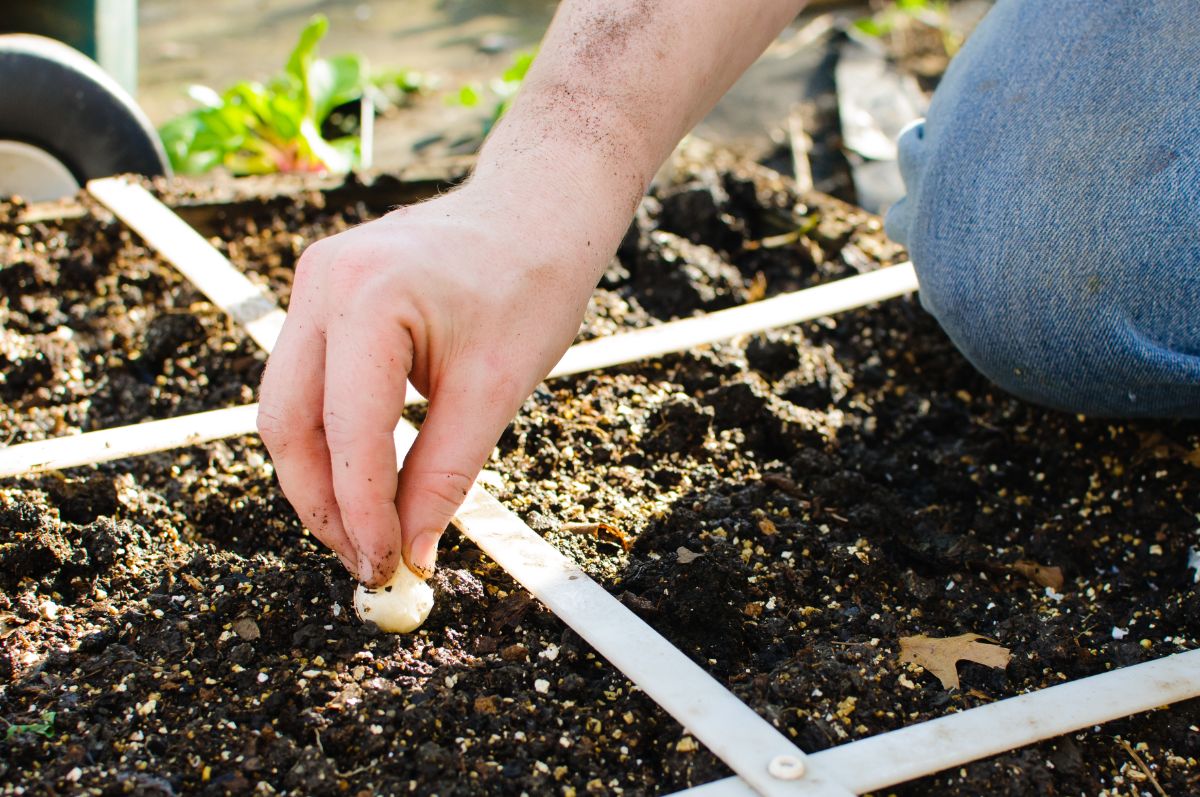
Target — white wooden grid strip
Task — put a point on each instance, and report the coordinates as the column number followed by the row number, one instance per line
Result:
column 733, row 731
column 886, row 759
column 789, row 308
column 91, row 448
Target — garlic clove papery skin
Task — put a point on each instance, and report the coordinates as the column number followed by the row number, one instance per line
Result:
column 399, row 606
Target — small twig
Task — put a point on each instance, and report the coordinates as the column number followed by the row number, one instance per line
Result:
column 1142, row 764
column 338, row 772
column 801, row 146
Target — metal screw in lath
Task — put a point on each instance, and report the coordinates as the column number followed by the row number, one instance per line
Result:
column 786, row 767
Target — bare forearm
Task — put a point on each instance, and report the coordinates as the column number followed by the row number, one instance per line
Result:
column 615, row 86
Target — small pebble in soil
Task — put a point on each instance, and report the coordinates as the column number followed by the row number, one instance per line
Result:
column 48, row 610
column 399, row 606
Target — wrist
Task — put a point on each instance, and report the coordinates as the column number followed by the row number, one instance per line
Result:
column 590, row 176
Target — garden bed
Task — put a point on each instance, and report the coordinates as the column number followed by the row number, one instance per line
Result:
column 784, row 508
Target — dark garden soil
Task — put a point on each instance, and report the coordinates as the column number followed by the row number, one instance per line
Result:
column 794, row 502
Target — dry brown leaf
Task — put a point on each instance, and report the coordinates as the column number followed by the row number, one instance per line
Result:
column 1042, row 575
column 8, row 624
column 1155, row 445
column 758, row 288
column 941, row 656
column 601, row 532
column 685, row 556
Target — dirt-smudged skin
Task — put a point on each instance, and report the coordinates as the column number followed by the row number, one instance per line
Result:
column 798, row 501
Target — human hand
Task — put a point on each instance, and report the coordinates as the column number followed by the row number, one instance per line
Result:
column 472, row 297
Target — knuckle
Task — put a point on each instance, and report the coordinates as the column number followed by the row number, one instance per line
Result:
column 334, row 262
column 314, row 254
column 339, row 432
column 346, row 435
column 362, row 512
column 443, row 491
column 272, row 428
column 310, row 262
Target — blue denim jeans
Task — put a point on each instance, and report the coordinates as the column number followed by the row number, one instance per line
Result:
column 1053, row 207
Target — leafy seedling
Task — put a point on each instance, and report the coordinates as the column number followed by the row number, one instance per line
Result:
column 259, row 128
column 501, row 90
column 44, row 727
column 395, row 86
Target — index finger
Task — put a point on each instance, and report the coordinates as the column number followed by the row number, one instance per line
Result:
column 367, row 359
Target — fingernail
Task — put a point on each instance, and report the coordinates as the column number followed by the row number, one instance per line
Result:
column 422, row 557
column 366, row 573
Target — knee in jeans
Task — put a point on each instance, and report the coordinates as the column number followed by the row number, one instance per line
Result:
column 1064, row 337
column 1037, row 338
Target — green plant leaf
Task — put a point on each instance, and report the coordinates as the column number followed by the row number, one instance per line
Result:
column 302, row 56
column 519, row 67
column 254, row 96
column 871, row 26
column 286, row 116
column 407, row 81
column 177, row 136
column 44, row 727
column 323, row 155
column 468, row 96
column 335, row 81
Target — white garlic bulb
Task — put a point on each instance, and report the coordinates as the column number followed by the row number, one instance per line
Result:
column 399, row 606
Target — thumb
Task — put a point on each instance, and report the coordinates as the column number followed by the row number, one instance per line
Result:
column 464, row 421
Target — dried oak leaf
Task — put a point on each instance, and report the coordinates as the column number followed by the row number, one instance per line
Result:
column 941, row 656
column 1042, row 575
column 9, row 623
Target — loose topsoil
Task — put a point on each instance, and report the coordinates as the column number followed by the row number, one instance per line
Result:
column 784, row 507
